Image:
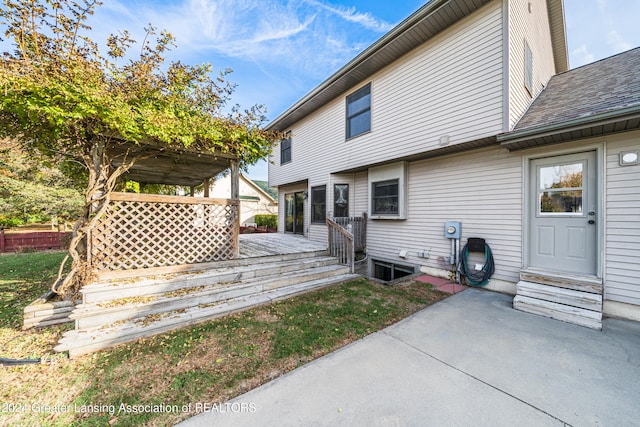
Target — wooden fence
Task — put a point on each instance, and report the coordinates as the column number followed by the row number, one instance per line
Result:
column 41, row 240
column 146, row 231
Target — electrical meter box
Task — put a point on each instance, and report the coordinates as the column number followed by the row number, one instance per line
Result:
column 453, row 229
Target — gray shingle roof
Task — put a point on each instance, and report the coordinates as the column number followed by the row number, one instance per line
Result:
column 603, row 86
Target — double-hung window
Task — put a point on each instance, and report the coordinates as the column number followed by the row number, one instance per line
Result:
column 385, row 197
column 359, row 112
column 285, row 148
column 319, row 204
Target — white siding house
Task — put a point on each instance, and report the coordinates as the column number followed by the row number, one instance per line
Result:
column 466, row 112
column 253, row 199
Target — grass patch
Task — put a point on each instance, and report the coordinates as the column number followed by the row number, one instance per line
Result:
column 23, row 278
column 208, row 363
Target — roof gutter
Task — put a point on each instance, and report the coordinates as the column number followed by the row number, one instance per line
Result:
column 519, row 136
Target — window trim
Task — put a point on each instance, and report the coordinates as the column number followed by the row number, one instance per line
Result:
column 286, row 137
column 396, row 181
column 315, row 220
column 350, row 99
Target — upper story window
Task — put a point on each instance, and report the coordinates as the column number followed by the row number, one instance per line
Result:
column 528, row 68
column 319, row 204
column 359, row 112
column 285, row 148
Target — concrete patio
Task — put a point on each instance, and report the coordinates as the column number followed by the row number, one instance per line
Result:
column 468, row 360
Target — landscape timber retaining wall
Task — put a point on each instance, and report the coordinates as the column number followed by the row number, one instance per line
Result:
column 40, row 314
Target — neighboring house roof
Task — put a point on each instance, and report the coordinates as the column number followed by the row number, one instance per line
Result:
column 265, row 186
column 596, row 99
column 221, row 186
column 425, row 23
column 259, row 189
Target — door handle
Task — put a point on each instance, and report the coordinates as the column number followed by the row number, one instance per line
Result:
column 592, row 221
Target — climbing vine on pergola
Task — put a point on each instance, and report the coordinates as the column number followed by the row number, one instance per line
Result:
column 64, row 97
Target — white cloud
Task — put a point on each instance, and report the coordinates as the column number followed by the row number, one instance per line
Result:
column 309, row 37
column 582, row 56
column 617, row 42
column 350, row 14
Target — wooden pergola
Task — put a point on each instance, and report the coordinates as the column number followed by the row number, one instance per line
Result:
column 187, row 167
column 145, row 231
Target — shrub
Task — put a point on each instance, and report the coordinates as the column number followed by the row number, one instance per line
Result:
column 10, row 222
column 270, row 221
column 37, row 218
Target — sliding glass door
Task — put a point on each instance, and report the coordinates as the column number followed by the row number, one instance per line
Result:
column 294, row 212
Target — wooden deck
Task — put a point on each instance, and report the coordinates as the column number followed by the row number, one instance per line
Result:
column 271, row 267
column 251, row 246
column 268, row 244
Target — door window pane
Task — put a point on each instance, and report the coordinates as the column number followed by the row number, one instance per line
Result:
column 289, row 215
column 294, row 212
column 299, row 225
column 560, row 188
column 341, row 200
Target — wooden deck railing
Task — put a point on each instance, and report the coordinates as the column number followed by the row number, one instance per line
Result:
column 357, row 225
column 341, row 244
column 145, row 231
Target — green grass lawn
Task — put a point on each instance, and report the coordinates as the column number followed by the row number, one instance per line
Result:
column 209, row 363
column 23, row 278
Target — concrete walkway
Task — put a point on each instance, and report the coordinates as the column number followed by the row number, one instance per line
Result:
column 470, row 360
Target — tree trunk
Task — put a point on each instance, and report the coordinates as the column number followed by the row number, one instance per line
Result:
column 102, row 180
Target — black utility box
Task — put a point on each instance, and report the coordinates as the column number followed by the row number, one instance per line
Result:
column 475, row 244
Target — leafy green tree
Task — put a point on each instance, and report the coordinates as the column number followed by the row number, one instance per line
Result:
column 32, row 189
column 61, row 96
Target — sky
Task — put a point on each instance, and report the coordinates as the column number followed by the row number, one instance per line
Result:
column 280, row 50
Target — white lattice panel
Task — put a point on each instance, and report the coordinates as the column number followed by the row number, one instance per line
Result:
column 151, row 232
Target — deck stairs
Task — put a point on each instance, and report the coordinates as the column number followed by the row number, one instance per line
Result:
column 571, row 298
column 121, row 310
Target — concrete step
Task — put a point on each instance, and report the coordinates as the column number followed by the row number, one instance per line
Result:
column 89, row 315
column 575, row 315
column 79, row 342
column 162, row 284
column 585, row 300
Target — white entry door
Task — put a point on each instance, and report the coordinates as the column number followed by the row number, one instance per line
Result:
column 563, row 221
